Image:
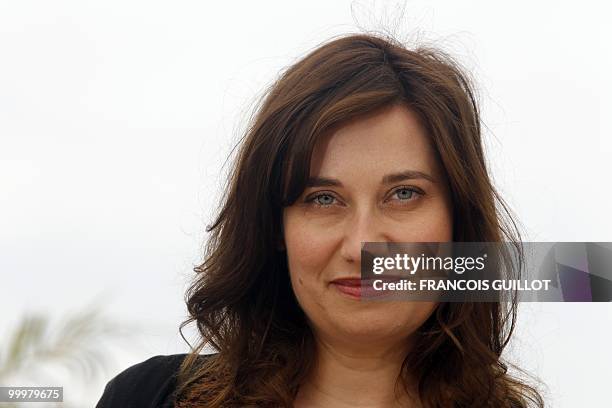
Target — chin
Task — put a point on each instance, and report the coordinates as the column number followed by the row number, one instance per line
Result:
column 375, row 325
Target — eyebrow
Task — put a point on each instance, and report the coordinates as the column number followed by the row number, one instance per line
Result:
column 387, row 179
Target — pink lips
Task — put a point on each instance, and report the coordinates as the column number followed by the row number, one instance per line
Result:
column 358, row 288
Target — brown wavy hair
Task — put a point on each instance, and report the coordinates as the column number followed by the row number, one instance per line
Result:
column 241, row 298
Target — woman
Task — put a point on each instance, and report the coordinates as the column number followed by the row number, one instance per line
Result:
column 362, row 140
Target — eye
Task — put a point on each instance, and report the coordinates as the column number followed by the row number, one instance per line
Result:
column 407, row 194
column 321, row 199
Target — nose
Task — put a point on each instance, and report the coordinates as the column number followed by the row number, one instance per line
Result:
column 362, row 226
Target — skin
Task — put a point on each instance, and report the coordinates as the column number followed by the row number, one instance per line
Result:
column 361, row 345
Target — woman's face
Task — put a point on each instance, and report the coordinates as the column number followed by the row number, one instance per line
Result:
column 352, row 199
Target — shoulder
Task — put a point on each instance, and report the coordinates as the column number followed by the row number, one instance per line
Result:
column 148, row 383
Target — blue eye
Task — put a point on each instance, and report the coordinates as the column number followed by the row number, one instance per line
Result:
column 406, row 194
column 328, row 200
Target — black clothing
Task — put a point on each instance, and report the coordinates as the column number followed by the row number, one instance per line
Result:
column 150, row 383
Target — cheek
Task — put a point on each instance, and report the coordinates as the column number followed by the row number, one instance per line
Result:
column 437, row 230
column 308, row 247
column 434, row 224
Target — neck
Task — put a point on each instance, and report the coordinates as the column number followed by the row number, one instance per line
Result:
column 355, row 374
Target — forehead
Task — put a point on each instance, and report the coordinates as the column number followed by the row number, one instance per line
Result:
column 391, row 139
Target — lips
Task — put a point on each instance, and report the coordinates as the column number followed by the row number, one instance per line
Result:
column 363, row 282
column 358, row 288
column 349, row 281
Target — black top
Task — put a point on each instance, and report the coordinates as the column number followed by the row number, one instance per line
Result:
column 150, row 383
